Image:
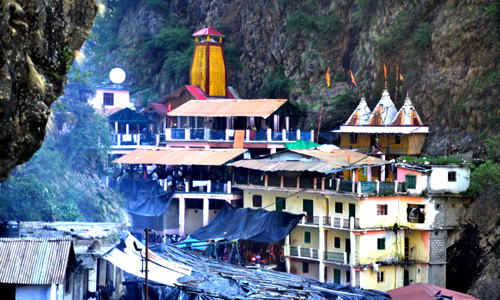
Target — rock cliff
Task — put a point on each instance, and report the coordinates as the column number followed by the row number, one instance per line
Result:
column 39, row 40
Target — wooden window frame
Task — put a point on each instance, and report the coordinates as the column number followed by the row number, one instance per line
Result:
column 307, row 237
column 257, row 200
column 411, row 181
column 305, row 267
column 382, row 209
column 341, row 205
column 336, row 242
column 381, row 244
column 452, row 176
column 381, row 276
column 108, row 98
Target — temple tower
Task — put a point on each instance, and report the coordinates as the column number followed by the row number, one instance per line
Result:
column 208, row 67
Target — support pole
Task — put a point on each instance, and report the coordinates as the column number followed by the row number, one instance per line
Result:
column 146, row 275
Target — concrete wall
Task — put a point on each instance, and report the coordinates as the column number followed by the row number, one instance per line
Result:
column 33, row 292
column 194, row 220
column 438, row 181
column 330, row 239
column 368, row 243
column 420, row 182
column 296, row 268
column 448, row 211
column 393, row 276
column 343, row 273
column 437, row 246
column 437, row 275
column 297, row 237
column 171, row 217
column 121, row 98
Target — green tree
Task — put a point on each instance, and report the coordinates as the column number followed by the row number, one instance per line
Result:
column 484, row 177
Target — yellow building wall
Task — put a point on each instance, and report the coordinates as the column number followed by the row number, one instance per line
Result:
column 330, row 240
column 345, row 206
column 412, row 142
column 418, row 245
column 368, row 242
column 393, row 276
column 217, row 72
column 416, row 142
column 198, row 67
column 296, row 268
column 297, row 237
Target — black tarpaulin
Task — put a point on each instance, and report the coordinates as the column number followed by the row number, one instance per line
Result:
column 145, row 197
column 258, row 225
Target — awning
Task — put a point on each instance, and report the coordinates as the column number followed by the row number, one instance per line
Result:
column 313, row 161
column 228, row 108
column 202, row 157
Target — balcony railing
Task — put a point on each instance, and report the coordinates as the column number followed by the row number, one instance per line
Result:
column 175, row 134
column 346, row 224
column 311, row 220
column 294, row 251
column 197, row 186
column 334, row 256
column 327, row 221
column 396, row 150
column 386, row 187
column 346, row 186
column 131, row 140
column 305, row 252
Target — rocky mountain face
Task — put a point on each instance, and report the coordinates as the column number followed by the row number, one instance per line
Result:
column 38, row 43
column 444, row 50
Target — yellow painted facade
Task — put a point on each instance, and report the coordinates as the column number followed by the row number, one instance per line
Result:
column 413, row 143
column 198, row 67
column 217, row 71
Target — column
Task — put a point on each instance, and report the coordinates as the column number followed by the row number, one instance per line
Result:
column 355, row 171
column 382, row 169
column 102, row 272
column 353, row 244
column 369, row 174
column 126, row 129
column 116, row 127
column 182, row 214
column 273, row 150
column 321, row 249
column 92, row 280
column 205, row 211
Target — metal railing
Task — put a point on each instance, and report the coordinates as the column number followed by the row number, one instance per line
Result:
column 336, row 222
column 333, row 256
column 386, row 187
column 294, row 251
column 368, row 187
column 345, row 186
column 197, row 134
column 305, row 252
column 346, row 224
column 178, row 134
column 356, row 222
column 327, row 221
column 148, row 139
column 315, row 253
column 312, row 220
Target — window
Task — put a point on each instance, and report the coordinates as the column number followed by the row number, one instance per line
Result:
column 397, row 139
column 354, row 138
column 415, row 213
column 280, row 203
column 381, row 244
column 305, row 267
column 381, row 209
column 257, row 201
column 380, row 276
column 109, row 99
column 337, row 242
column 411, row 181
column 307, row 237
column 452, row 176
column 347, row 276
column 339, row 207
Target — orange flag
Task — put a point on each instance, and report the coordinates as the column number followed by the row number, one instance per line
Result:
column 353, row 80
column 385, row 72
column 401, row 76
column 348, row 158
column 328, row 77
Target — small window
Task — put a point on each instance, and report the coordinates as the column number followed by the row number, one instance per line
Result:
column 438, row 206
column 257, row 201
column 381, row 244
column 109, row 99
column 411, row 181
column 347, row 276
column 307, row 237
column 354, row 138
column 337, row 242
column 380, row 277
column 452, row 176
column 415, row 213
column 397, row 139
column 339, row 207
column 305, row 267
column 381, row 209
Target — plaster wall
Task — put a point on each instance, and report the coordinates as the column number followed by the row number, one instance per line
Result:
column 343, row 273
column 296, row 268
column 332, row 199
column 368, row 251
column 194, row 220
column 393, row 276
column 297, row 237
column 121, row 98
column 420, row 181
column 448, row 211
column 438, row 181
column 437, row 275
column 330, row 240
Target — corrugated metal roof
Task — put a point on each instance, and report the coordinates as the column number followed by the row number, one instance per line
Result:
column 326, row 162
column 208, row 31
column 197, row 92
column 34, row 260
column 204, row 157
column 228, row 108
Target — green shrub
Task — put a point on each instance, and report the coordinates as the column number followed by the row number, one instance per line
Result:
column 422, row 38
column 276, row 84
column 300, row 20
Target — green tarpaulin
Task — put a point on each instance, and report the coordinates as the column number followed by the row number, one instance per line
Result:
column 301, row 144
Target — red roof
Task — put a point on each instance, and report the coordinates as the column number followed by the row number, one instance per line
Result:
column 160, row 108
column 425, row 291
column 208, row 31
column 197, row 92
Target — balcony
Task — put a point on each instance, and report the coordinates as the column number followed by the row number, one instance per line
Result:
column 311, row 220
column 385, row 150
column 311, row 253
column 198, row 186
column 227, row 135
column 123, row 140
column 341, row 223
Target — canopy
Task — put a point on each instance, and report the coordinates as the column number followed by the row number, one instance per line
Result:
column 128, row 116
column 145, row 197
column 258, row 225
column 228, row 108
column 203, row 157
column 311, row 160
column 301, row 144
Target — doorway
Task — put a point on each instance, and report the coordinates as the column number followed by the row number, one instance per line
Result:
column 308, row 208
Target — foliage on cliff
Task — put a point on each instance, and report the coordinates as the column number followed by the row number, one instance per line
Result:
column 62, row 178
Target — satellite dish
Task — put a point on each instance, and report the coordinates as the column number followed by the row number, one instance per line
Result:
column 117, row 75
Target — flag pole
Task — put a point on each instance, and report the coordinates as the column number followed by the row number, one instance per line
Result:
column 320, row 113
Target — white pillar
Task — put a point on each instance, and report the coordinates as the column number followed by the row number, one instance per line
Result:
column 287, row 123
column 298, row 134
column 116, row 127
column 126, row 129
column 321, row 250
column 283, row 135
column 247, row 135
column 287, row 264
column 187, row 134
column 273, row 150
column 369, row 174
column 269, row 134
column 312, row 135
column 352, row 238
column 382, row 169
column 205, row 211
column 182, row 214
column 229, row 187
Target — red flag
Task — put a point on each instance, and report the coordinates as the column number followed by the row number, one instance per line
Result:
column 385, row 73
column 328, row 77
column 348, row 158
column 353, row 80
